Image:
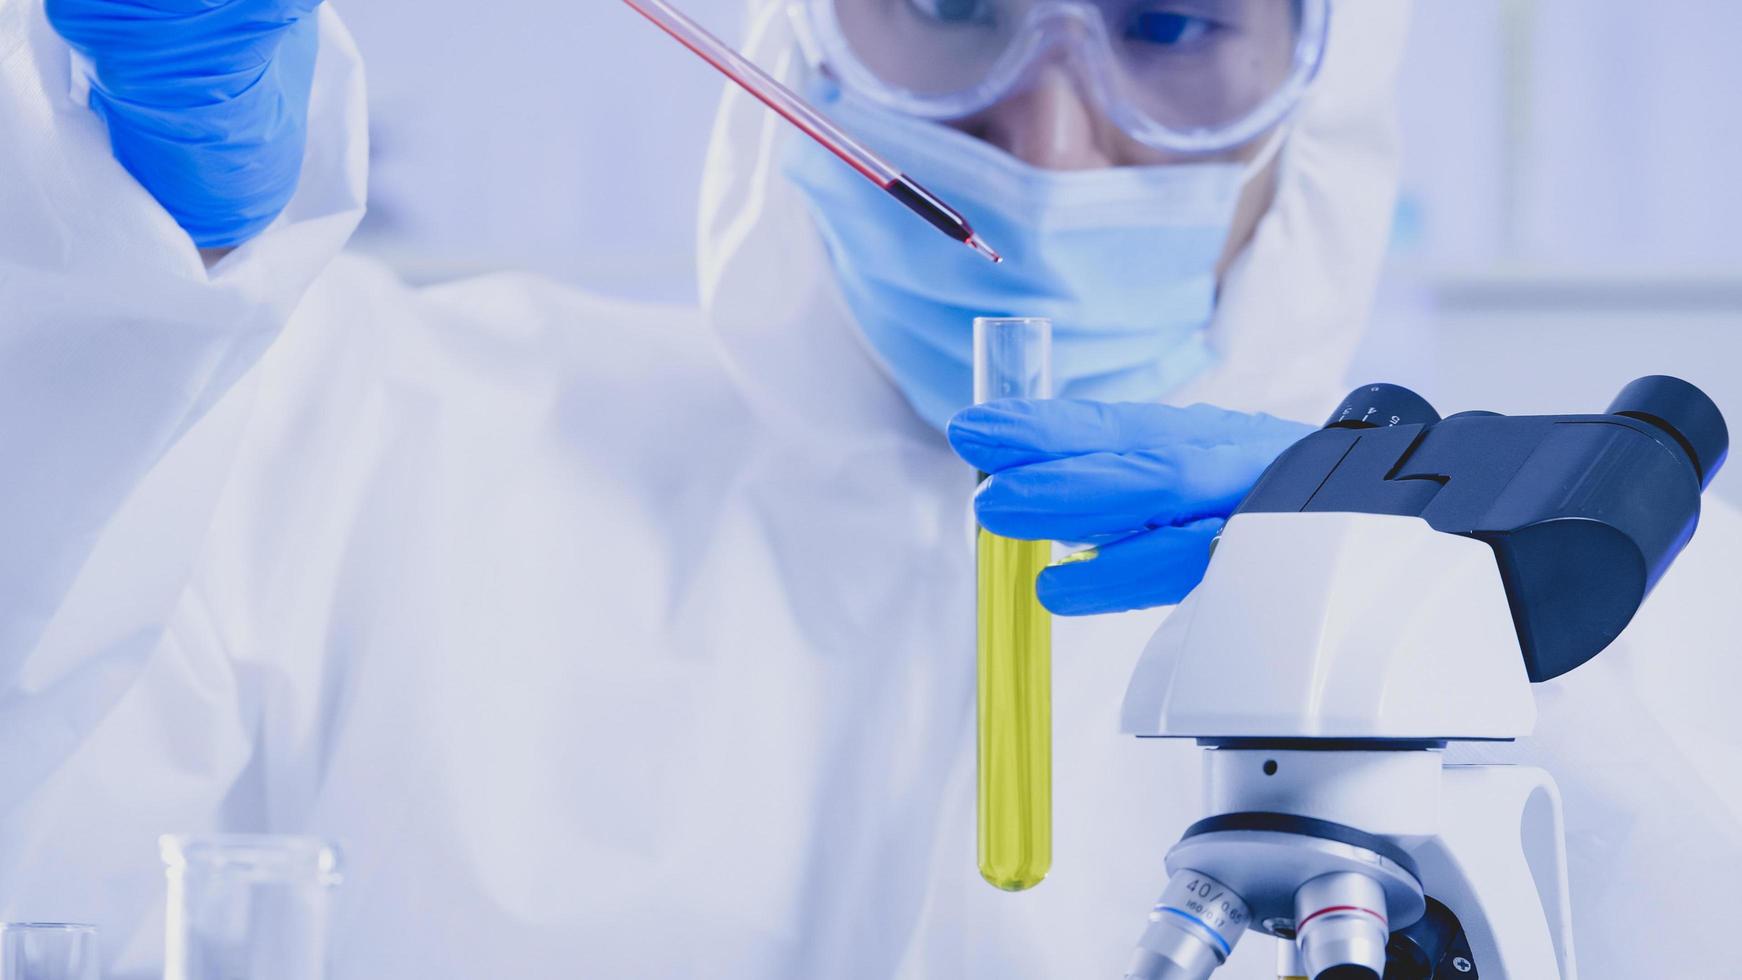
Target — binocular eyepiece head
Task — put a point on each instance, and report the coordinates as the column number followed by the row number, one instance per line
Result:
column 1672, row 405
column 1584, row 512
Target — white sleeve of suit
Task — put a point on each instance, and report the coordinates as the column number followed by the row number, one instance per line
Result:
column 127, row 381
column 115, row 338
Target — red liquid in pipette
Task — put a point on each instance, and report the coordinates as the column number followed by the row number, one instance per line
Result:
column 812, row 123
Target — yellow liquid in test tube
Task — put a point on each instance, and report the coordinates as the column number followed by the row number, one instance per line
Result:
column 1015, row 667
column 1013, row 359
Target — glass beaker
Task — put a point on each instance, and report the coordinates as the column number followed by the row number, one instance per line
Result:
column 1013, row 359
column 247, row 906
column 49, row 951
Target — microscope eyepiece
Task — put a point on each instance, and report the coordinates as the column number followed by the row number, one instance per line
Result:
column 1683, row 411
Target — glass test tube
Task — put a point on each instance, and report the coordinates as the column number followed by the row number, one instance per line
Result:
column 247, row 905
column 49, row 951
column 1013, row 359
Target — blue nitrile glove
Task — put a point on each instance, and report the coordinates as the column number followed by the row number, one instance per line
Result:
column 1156, row 482
column 206, row 101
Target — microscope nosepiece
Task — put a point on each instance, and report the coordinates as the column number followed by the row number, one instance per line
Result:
column 1342, row 927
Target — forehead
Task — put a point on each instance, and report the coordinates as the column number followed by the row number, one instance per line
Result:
column 1223, row 10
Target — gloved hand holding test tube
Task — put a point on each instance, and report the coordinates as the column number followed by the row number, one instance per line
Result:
column 813, row 123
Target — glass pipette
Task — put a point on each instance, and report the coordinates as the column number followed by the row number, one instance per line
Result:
column 798, row 112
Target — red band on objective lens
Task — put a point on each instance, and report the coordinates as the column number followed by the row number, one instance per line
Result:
column 1339, row 908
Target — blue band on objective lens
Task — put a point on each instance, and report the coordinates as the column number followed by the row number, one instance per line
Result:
column 1227, row 948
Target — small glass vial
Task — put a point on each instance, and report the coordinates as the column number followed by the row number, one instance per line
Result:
column 49, row 951
column 247, row 906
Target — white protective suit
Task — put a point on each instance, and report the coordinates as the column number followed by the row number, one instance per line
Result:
column 614, row 641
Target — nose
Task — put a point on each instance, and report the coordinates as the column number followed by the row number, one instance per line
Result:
column 1050, row 123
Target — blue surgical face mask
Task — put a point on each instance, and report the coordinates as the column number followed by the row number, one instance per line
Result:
column 1122, row 260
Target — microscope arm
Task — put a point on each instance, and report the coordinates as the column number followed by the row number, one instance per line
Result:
column 1500, row 861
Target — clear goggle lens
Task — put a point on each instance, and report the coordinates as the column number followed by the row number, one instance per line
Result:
column 1183, row 75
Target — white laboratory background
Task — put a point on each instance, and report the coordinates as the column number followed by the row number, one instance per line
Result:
column 1569, row 217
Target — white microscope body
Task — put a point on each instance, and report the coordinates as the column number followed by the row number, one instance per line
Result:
column 1380, row 639
column 1394, row 584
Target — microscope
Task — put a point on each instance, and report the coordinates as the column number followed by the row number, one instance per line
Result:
column 1395, row 582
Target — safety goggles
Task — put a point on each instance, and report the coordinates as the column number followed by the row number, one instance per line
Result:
column 1186, row 76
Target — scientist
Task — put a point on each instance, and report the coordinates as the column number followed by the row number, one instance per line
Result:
column 618, row 641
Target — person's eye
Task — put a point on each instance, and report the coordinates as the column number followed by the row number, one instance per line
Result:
column 955, row 11
column 1167, row 27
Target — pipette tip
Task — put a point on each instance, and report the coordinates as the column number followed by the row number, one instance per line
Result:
column 978, row 244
